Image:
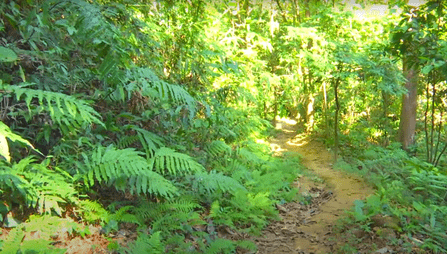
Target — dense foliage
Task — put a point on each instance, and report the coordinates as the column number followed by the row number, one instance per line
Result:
column 152, row 114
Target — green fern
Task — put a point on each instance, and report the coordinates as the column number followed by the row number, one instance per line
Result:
column 150, row 141
column 92, row 211
column 244, row 210
column 150, row 210
column 125, row 169
column 170, row 216
column 6, row 133
column 109, row 70
column 15, row 238
column 37, row 186
column 146, row 244
column 127, row 141
column 46, row 226
column 67, row 111
column 51, row 187
column 217, row 148
column 177, row 221
column 10, row 180
column 167, row 161
column 220, row 246
column 248, row 245
column 239, row 171
column 153, row 86
column 123, row 215
column 249, row 157
column 212, row 181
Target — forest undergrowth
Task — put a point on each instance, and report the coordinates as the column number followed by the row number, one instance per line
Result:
column 408, row 211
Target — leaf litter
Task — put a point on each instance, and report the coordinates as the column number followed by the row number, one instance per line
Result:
column 306, row 226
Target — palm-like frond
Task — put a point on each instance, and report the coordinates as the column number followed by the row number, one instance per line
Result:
column 65, row 110
column 6, row 133
column 125, row 169
column 217, row 147
column 150, row 141
column 41, row 188
column 210, row 182
column 167, row 161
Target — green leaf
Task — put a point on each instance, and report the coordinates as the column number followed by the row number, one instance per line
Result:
column 7, row 55
column 358, row 210
column 4, row 148
column 5, row 132
column 426, row 69
column 71, row 30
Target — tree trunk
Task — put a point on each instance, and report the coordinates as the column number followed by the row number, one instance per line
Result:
column 407, row 126
column 337, row 111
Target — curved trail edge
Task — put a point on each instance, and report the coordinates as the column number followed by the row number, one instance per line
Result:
column 307, row 228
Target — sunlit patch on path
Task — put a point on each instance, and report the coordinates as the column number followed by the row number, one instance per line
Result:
column 307, row 227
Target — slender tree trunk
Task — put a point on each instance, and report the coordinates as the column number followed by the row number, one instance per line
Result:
column 307, row 9
column 433, row 98
column 407, row 126
column 386, row 121
column 276, row 105
column 294, row 11
column 326, row 118
column 337, row 111
column 427, row 107
column 310, row 113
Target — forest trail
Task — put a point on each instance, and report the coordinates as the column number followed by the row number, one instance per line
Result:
column 307, row 228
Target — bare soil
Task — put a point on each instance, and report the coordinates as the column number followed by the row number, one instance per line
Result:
column 306, row 227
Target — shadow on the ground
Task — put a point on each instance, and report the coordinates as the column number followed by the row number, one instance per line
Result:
column 306, row 228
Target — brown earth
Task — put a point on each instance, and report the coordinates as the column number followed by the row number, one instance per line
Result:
column 306, row 227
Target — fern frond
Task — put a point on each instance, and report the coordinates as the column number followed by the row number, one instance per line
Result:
column 249, row 157
column 13, row 241
column 109, row 69
column 221, row 245
column 41, row 188
column 92, row 211
column 51, row 188
column 210, row 182
column 151, row 84
column 167, row 161
column 6, row 133
column 217, row 148
column 249, row 245
column 150, row 210
column 9, row 179
column 63, row 109
column 174, row 221
column 150, row 141
column 127, row 141
column 123, row 215
column 126, row 169
column 146, row 244
column 170, row 216
column 17, row 243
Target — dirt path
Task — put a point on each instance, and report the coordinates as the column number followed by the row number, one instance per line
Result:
column 306, row 228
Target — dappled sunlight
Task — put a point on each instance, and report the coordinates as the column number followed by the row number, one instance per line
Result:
column 324, row 209
column 285, row 124
column 276, row 149
column 301, row 142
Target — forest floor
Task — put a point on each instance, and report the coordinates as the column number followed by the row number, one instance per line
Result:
column 307, row 226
